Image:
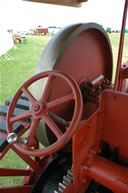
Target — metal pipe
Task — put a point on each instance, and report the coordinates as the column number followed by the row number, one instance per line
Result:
column 98, row 80
column 109, row 174
column 14, row 172
column 120, row 52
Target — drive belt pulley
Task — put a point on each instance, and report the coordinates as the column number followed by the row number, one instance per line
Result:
column 84, row 52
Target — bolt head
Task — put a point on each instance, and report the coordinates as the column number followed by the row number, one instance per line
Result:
column 12, row 138
column 36, row 107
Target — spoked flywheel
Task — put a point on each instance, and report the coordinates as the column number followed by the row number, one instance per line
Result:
column 43, row 109
column 82, row 51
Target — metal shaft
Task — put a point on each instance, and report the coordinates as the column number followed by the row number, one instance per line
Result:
column 120, row 53
column 109, row 174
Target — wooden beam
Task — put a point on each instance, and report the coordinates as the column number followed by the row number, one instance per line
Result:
column 72, row 3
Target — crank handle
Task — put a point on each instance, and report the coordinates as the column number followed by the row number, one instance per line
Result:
column 13, row 138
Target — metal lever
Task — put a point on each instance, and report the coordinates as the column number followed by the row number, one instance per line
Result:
column 14, row 138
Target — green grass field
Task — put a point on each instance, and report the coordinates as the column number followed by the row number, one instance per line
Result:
column 16, row 67
column 114, row 38
column 19, row 64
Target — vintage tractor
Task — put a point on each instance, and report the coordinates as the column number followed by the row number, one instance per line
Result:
column 69, row 122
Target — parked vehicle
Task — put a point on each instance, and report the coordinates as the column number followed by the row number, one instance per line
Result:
column 109, row 29
column 17, row 38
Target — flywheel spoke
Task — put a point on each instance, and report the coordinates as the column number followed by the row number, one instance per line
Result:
column 58, row 119
column 28, row 95
column 33, row 128
column 46, row 89
column 53, row 104
column 53, row 127
column 21, row 117
column 48, row 110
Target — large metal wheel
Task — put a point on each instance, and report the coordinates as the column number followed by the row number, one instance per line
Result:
column 82, row 51
column 44, row 109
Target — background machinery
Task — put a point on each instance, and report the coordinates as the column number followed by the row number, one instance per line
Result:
column 74, row 135
column 17, row 39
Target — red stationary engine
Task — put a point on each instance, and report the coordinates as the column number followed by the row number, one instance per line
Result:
column 74, row 136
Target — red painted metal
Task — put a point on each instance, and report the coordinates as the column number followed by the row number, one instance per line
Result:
column 35, row 166
column 14, row 172
column 120, row 53
column 15, row 189
column 40, row 110
column 4, row 135
column 110, row 118
column 86, row 55
column 124, row 71
column 84, row 143
column 111, row 175
column 42, row 162
column 30, row 175
column 123, row 77
column 103, row 120
column 114, row 107
column 2, row 154
column 41, row 30
column 69, row 189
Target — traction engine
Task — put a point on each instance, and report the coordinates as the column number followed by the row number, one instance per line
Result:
column 73, row 132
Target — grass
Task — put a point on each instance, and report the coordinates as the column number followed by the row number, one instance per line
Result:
column 17, row 66
column 19, row 63
column 114, row 38
column 11, row 160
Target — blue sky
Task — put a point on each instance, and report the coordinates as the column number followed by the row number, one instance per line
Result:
column 21, row 15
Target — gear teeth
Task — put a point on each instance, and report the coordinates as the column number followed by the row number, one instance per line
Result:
column 70, row 173
column 66, row 181
column 60, row 190
column 62, row 186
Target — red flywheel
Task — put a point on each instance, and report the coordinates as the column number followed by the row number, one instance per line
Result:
column 40, row 110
